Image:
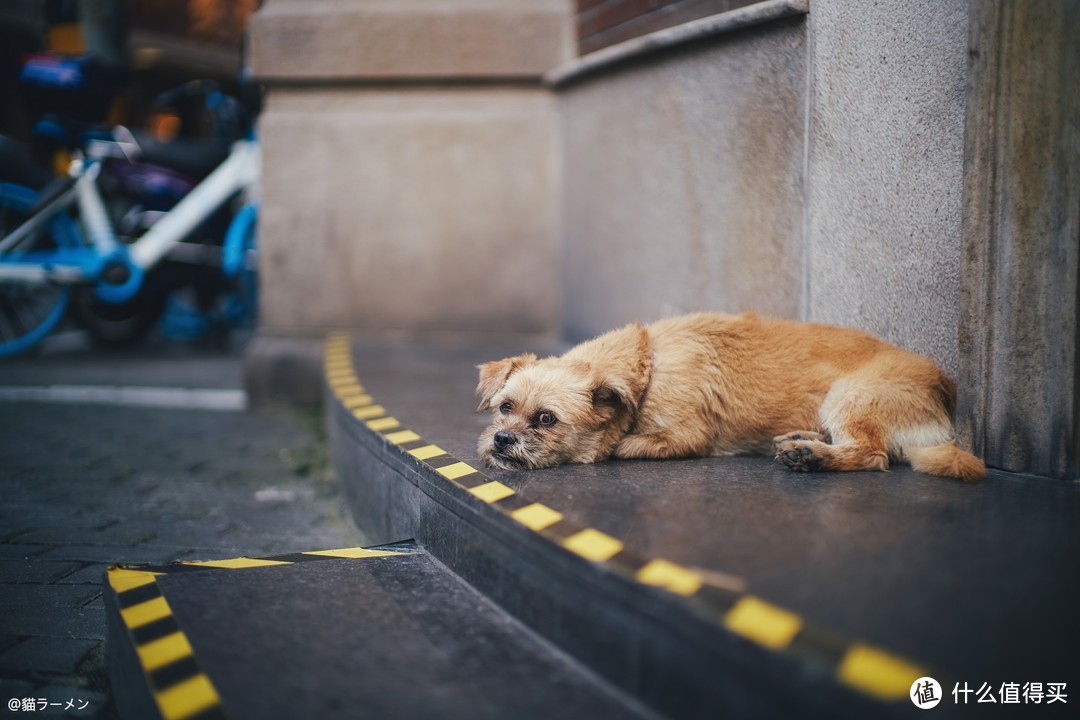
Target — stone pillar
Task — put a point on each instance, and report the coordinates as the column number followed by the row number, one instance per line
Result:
column 1020, row 297
column 683, row 185
column 885, row 164
column 409, row 169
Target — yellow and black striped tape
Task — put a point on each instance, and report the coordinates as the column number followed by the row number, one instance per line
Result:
column 860, row 666
column 180, row 688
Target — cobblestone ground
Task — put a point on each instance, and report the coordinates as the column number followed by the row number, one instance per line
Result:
column 83, row 486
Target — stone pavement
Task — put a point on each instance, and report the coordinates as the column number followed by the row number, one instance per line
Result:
column 83, row 486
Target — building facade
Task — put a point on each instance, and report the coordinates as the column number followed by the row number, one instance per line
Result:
column 483, row 168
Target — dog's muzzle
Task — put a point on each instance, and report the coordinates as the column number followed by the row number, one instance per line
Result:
column 503, row 440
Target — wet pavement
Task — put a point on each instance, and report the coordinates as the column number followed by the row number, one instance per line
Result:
column 84, row 486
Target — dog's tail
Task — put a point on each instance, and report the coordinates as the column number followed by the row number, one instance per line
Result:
column 947, row 460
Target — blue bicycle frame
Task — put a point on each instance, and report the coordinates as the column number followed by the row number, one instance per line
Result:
column 89, row 252
column 118, row 268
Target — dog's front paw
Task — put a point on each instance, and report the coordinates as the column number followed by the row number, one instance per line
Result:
column 797, row 455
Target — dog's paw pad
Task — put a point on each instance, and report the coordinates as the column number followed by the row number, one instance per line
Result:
column 797, row 457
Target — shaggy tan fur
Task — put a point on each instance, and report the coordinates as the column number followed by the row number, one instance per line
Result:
column 817, row 397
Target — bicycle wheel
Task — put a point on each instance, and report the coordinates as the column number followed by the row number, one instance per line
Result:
column 118, row 325
column 30, row 311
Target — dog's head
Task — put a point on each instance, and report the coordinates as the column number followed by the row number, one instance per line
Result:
column 570, row 409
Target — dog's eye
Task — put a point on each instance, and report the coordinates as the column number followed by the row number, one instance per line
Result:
column 546, row 419
column 505, row 407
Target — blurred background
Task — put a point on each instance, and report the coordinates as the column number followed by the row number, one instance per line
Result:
column 555, row 168
column 142, row 49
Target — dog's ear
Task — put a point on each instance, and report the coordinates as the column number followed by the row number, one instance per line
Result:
column 622, row 375
column 614, row 398
column 493, row 375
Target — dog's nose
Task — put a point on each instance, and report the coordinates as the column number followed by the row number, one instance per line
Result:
column 503, row 440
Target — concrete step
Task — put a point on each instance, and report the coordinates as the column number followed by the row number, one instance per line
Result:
column 356, row 633
column 720, row 586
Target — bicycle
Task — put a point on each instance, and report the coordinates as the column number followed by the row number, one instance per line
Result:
column 135, row 220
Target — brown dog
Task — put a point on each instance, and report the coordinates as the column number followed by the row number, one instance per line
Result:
column 817, row 397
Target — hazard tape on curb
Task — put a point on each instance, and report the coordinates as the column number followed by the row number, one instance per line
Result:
column 863, row 667
column 177, row 683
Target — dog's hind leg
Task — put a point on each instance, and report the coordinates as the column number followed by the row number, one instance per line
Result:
column 800, row 435
column 854, row 416
column 902, row 413
column 860, row 448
